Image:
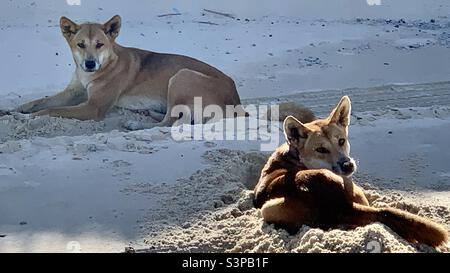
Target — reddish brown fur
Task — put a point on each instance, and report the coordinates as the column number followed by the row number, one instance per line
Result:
column 290, row 195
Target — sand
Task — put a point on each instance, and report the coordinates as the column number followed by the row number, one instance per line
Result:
column 223, row 219
column 154, row 194
column 85, row 186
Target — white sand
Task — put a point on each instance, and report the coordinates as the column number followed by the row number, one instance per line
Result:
column 228, row 222
column 67, row 185
column 142, row 189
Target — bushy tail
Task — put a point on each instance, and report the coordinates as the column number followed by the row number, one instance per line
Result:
column 411, row 227
column 301, row 113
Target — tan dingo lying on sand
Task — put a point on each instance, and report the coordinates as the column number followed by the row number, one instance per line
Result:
column 108, row 74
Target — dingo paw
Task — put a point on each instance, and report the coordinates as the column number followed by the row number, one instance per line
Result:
column 27, row 108
column 33, row 106
column 4, row 113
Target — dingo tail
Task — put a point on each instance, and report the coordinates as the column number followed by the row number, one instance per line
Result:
column 409, row 226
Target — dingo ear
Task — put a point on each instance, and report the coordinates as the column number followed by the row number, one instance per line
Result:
column 68, row 28
column 112, row 27
column 294, row 130
column 341, row 114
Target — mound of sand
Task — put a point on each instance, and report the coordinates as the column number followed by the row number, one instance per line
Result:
column 21, row 126
column 212, row 211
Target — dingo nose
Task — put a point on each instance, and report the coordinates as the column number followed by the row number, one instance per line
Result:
column 347, row 166
column 90, row 64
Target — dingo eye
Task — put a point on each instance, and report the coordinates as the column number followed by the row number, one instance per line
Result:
column 341, row 141
column 322, row 150
column 81, row 45
column 99, row 45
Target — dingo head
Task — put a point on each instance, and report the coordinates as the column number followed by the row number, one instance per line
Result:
column 91, row 44
column 323, row 143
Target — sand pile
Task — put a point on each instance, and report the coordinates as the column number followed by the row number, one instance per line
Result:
column 212, row 211
column 21, row 126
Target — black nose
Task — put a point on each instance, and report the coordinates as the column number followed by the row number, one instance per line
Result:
column 90, row 64
column 347, row 166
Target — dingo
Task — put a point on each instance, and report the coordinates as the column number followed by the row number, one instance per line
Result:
column 303, row 183
column 108, row 75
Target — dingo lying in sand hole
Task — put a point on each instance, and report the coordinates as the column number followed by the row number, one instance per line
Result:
column 303, row 184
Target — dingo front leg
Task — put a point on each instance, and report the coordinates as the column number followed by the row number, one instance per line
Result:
column 74, row 94
column 94, row 109
column 84, row 111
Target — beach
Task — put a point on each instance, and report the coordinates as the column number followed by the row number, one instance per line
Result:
column 87, row 186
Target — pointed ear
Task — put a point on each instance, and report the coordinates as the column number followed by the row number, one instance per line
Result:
column 341, row 114
column 294, row 130
column 68, row 28
column 112, row 27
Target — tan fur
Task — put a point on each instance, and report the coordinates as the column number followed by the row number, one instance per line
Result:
column 291, row 194
column 123, row 75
